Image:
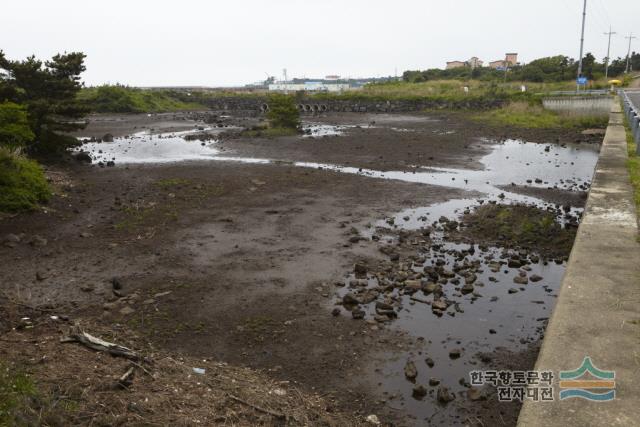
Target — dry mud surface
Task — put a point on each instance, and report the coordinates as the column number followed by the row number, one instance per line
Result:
column 243, row 263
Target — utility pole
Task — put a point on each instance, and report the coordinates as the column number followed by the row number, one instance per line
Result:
column 630, row 37
column 584, row 19
column 606, row 66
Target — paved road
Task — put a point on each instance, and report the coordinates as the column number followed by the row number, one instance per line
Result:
column 635, row 98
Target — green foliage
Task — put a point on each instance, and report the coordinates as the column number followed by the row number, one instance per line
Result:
column 551, row 69
column 534, row 116
column 283, row 112
column 123, row 99
column 270, row 132
column 48, row 90
column 14, row 125
column 22, row 183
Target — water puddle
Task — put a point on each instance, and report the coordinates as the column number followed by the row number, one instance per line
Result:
column 319, row 130
column 144, row 147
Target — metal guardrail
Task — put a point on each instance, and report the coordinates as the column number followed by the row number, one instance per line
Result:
column 632, row 111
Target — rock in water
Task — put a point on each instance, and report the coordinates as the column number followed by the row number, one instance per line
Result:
column 521, row 280
column 410, row 370
column 444, row 395
column 467, row 289
column 419, row 391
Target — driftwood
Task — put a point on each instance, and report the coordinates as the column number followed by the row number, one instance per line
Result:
column 277, row 415
column 97, row 344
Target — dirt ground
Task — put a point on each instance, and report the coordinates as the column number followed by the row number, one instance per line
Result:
column 227, row 262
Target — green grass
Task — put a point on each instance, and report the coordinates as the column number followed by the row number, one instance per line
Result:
column 16, row 389
column 534, row 116
column 121, row 99
column 22, row 183
column 633, row 164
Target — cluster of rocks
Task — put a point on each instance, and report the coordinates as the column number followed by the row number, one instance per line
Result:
column 435, row 276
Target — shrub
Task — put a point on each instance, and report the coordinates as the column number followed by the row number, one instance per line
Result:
column 22, row 182
column 14, row 125
column 283, row 112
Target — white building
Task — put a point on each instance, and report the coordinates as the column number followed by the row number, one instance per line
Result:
column 308, row 87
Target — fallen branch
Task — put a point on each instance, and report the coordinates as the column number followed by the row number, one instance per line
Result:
column 97, row 344
column 127, row 378
column 277, row 415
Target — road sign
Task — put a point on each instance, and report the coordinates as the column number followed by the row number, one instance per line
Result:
column 582, row 80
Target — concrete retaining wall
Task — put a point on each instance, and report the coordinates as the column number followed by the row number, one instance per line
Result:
column 579, row 106
column 253, row 106
column 598, row 308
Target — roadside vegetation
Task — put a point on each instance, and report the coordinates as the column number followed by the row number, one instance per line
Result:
column 532, row 115
column 123, row 99
column 633, row 164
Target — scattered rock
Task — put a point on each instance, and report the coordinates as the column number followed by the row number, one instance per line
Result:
column 434, row 382
column 350, row 299
column 521, row 280
column 455, row 353
column 467, row 289
column 410, row 370
column 357, row 313
column 360, row 269
column 535, row 278
column 444, row 395
column 419, row 391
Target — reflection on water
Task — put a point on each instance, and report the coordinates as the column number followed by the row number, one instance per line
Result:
column 143, row 147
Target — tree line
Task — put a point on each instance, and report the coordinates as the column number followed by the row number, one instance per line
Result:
column 543, row 70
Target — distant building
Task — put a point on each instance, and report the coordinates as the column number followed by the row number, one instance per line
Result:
column 474, row 62
column 308, row 87
column 509, row 60
column 455, row 64
column 332, row 77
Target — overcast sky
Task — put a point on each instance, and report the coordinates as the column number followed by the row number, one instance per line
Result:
column 210, row 43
